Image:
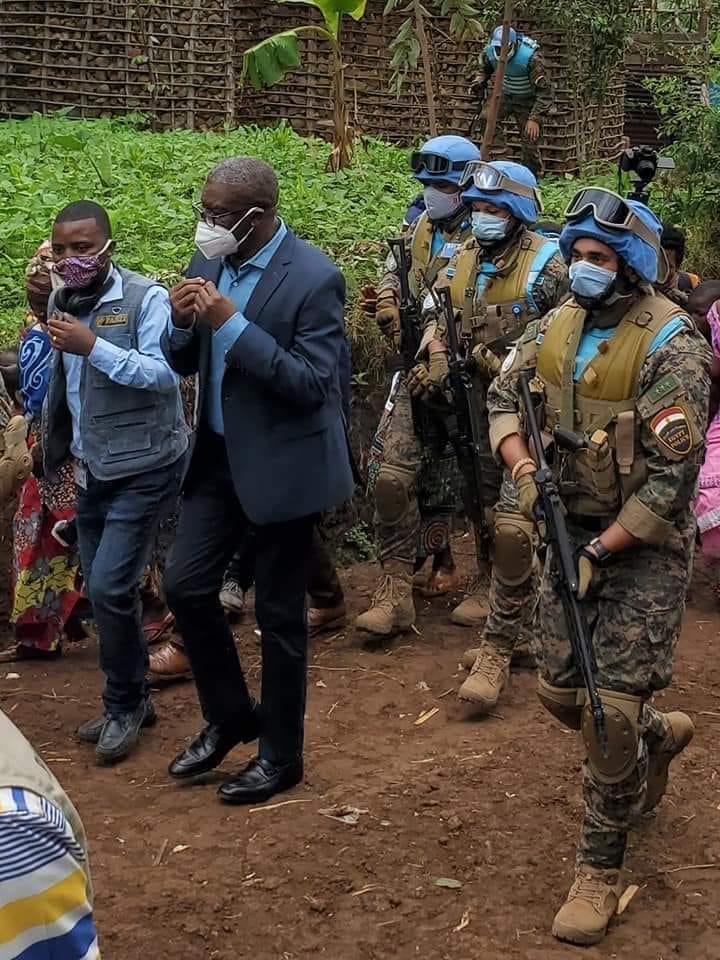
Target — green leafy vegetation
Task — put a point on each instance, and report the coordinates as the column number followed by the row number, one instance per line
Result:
column 691, row 196
column 148, row 181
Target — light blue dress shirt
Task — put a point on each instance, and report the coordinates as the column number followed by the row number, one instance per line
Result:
column 238, row 285
column 145, row 368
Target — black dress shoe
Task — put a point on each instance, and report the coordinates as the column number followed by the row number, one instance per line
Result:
column 210, row 747
column 120, row 733
column 90, row 731
column 261, row 780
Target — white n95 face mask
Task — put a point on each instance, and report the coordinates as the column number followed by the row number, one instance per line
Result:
column 218, row 241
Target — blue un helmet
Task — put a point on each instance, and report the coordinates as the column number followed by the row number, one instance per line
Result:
column 442, row 159
column 497, row 36
column 505, row 184
column 626, row 226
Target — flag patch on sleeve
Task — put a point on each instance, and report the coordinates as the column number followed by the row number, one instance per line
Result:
column 672, row 429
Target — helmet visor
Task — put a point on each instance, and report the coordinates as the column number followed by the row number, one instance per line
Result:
column 609, row 210
column 488, row 178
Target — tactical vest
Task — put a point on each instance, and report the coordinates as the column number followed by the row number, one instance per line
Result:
column 517, row 82
column 496, row 307
column 602, row 404
column 21, row 767
column 426, row 267
column 124, row 430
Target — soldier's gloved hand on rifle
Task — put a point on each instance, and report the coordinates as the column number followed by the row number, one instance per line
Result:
column 487, row 364
column 387, row 314
column 426, row 381
column 368, row 300
column 528, row 496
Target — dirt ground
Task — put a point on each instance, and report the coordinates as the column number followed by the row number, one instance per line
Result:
column 492, row 804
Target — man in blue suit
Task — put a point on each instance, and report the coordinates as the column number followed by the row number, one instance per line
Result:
column 260, row 319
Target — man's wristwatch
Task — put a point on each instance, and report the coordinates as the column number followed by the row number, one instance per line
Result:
column 600, row 552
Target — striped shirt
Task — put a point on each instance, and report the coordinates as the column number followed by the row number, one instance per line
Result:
column 45, row 913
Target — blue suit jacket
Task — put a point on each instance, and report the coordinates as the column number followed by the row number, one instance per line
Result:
column 281, row 395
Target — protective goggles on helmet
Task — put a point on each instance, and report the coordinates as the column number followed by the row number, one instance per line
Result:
column 609, row 210
column 488, row 178
column 434, row 163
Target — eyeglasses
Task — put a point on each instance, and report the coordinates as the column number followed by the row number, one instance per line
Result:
column 486, row 177
column 212, row 219
column 609, row 210
column 433, row 163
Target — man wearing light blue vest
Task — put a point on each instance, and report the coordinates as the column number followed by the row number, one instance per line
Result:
column 114, row 407
column 526, row 91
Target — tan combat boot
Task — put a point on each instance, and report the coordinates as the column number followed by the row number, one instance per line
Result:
column 473, row 610
column 469, row 657
column 521, row 657
column 392, row 609
column 487, row 679
column 590, row 905
column 680, row 733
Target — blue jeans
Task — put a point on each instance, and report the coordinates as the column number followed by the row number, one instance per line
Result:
column 117, row 524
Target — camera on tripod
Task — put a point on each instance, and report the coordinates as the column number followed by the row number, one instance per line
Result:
column 644, row 162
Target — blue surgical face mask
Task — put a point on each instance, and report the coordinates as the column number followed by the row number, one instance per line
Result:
column 589, row 283
column 488, row 228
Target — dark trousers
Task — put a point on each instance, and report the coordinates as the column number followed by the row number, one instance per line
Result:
column 212, row 523
column 117, row 521
column 323, row 583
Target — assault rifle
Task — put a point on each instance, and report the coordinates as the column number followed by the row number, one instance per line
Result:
column 564, row 568
column 409, row 310
column 464, row 427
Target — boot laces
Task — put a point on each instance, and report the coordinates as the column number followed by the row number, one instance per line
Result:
column 386, row 593
column 489, row 665
column 591, row 888
column 477, row 585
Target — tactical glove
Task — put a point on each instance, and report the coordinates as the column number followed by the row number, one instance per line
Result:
column 586, row 562
column 528, row 496
column 368, row 300
column 387, row 314
column 487, row 364
column 426, row 381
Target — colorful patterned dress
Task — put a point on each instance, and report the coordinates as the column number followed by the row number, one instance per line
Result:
column 45, row 574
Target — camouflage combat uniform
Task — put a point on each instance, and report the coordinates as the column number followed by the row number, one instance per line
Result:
column 496, row 299
column 429, row 465
column 533, row 103
column 645, row 409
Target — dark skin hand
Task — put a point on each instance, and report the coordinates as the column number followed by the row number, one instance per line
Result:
column 196, row 299
column 70, row 334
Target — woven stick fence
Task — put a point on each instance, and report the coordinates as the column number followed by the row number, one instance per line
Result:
column 178, row 61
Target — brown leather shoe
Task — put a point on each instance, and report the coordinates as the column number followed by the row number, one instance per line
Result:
column 323, row 619
column 169, row 664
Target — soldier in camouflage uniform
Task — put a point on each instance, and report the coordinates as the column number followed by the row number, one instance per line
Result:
column 501, row 278
column 624, row 366
column 526, row 92
column 411, row 507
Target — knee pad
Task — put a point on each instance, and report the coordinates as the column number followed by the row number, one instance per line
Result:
column 514, row 548
column 622, row 731
column 564, row 703
column 392, row 493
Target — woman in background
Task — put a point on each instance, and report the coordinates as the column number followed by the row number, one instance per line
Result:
column 704, row 306
column 46, row 590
